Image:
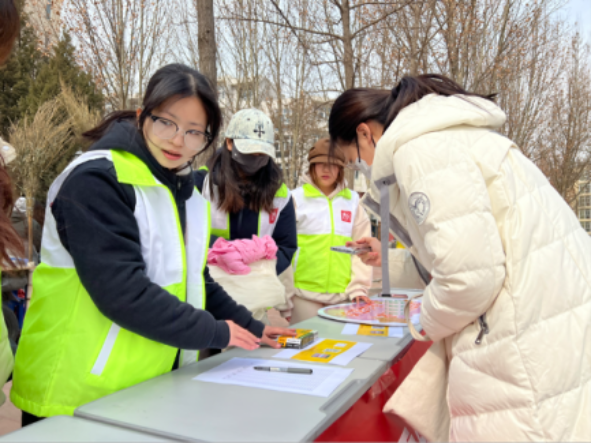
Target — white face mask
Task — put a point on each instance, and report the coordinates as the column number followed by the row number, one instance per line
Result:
column 361, row 165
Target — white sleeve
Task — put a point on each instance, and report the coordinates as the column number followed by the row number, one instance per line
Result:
column 449, row 216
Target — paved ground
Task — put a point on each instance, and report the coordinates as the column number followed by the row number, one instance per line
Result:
column 10, row 416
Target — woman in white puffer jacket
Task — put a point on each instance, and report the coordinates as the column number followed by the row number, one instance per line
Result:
column 509, row 290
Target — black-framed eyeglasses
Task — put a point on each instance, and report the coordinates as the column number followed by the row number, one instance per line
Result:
column 166, row 129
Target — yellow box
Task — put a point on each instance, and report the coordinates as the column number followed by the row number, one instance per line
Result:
column 302, row 339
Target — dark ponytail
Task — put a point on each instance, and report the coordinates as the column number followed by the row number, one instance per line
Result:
column 359, row 105
column 175, row 80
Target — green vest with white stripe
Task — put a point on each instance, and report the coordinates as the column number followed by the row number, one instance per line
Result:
column 323, row 223
column 220, row 220
column 70, row 353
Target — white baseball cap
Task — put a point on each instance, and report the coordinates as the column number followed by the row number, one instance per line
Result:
column 252, row 132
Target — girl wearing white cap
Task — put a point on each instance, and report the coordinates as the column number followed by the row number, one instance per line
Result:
column 246, row 187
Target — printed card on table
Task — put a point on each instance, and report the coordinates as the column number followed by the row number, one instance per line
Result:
column 324, row 351
column 327, row 351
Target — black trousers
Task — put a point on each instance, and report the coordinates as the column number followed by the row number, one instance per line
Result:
column 29, row 419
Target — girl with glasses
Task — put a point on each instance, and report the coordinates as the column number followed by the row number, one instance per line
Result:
column 328, row 214
column 122, row 294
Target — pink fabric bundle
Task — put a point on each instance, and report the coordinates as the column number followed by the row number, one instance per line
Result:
column 234, row 256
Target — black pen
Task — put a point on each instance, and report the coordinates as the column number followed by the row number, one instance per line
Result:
column 303, row 371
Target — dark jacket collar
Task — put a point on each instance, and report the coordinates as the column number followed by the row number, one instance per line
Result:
column 123, row 135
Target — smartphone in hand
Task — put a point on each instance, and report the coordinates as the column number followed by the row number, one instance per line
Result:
column 351, row 250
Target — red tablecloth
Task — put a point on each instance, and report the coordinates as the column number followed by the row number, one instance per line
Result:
column 365, row 421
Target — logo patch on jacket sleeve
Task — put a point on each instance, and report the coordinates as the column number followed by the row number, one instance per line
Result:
column 419, row 206
column 273, row 215
column 346, row 216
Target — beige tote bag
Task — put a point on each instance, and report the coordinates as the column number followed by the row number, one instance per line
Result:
column 257, row 290
column 421, row 399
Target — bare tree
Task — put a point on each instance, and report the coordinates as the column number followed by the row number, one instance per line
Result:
column 206, row 39
column 121, row 42
column 566, row 142
column 334, row 28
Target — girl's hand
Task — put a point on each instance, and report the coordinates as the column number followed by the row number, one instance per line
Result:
column 374, row 257
column 359, row 299
column 240, row 337
column 270, row 335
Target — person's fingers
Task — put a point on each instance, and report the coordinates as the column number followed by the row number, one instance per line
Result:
column 241, row 337
column 247, row 345
column 247, row 341
column 363, row 242
column 368, row 258
column 248, row 336
column 280, row 331
column 270, row 342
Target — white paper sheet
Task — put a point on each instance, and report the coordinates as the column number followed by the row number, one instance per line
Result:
column 393, row 332
column 240, row 371
column 341, row 359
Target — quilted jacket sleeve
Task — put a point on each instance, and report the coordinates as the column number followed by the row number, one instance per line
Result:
column 448, row 213
column 402, row 270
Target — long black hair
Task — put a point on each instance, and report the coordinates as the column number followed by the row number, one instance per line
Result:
column 235, row 190
column 359, row 105
column 174, row 80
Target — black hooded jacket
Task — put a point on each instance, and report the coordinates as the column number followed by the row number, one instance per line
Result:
column 95, row 221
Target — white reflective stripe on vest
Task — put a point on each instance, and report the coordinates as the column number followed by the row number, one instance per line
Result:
column 197, row 211
column 313, row 213
column 267, row 222
column 219, row 219
column 162, row 254
column 159, row 238
column 103, row 357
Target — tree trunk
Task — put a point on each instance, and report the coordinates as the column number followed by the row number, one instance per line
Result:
column 347, row 45
column 206, row 40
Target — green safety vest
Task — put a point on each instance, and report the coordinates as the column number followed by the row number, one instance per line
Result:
column 70, row 353
column 6, row 358
column 220, row 220
column 323, row 223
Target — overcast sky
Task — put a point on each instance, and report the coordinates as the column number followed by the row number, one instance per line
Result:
column 580, row 11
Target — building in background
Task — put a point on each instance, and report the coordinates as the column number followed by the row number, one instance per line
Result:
column 45, row 18
column 583, row 202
